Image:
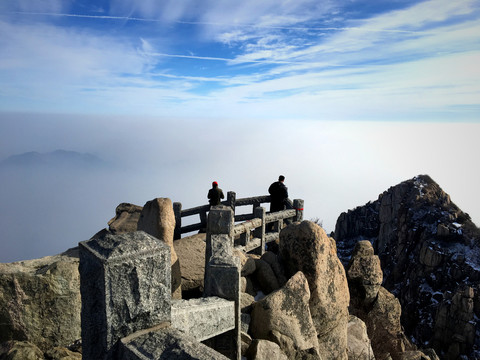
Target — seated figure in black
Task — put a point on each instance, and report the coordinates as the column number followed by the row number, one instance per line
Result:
column 215, row 195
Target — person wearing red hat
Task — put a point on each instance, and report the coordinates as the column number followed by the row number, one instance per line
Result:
column 215, row 194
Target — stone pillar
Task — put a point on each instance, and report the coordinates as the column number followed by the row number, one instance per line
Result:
column 125, row 287
column 231, row 198
column 177, row 210
column 223, row 280
column 259, row 232
column 220, row 221
column 298, row 206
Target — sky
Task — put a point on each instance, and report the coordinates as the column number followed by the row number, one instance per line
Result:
column 344, row 98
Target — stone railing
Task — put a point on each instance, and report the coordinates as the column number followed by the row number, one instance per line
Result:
column 125, row 284
column 127, row 309
column 250, row 234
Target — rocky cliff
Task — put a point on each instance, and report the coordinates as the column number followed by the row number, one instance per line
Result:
column 429, row 252
column 410, row 283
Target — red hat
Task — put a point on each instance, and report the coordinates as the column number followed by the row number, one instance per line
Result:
column 214, row 183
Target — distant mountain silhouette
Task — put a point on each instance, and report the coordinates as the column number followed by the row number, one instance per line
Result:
column 57, row 158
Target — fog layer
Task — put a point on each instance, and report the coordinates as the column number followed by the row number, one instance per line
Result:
column 333, row 166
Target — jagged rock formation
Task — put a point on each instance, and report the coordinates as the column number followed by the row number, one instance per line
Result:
column 372, row 303
column 427, row 256
column 429, row 249
column 40, row 301
column 306, row 247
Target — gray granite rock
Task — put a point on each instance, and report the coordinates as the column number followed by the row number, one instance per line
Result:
column 125, row 287
column 168, row 343
column 203, row 318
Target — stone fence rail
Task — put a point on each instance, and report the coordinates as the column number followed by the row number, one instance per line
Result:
column 295, row 214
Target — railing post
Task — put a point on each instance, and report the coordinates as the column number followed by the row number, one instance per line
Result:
column 222, row 275
column 278, row 225
column 244, row 238
column 177, row 210
column 298, row 205
column 259, row 232
column 203, row 220
column 256, row 204
column 220, row 221
column 117, row 283
column 231, row 197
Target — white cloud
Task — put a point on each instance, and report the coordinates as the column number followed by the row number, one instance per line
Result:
column 44, row 6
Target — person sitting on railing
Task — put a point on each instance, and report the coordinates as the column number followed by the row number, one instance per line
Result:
column 215, row 194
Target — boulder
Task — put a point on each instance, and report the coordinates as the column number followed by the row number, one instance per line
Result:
column 284, row 318
column 247, row 262
column 246, row 301
column 272, row 259
column 454, row 330
column 358, row 343
column 61, row 353
column 246, row 342
column 265, row 276
column 126, row 218
column 364, row 274
column 191, row 256
column 20, row 350
column 40, row 300
column 158, row 219
column 265, row 350
column 306, row 247
column 382, row 319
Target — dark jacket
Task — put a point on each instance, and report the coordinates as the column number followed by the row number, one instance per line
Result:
column 278, row 195
column 215, row 194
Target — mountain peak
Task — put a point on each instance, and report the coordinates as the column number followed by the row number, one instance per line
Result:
column 55, row 158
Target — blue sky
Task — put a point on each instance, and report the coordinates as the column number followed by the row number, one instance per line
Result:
column 344, row 98
column 330, row 60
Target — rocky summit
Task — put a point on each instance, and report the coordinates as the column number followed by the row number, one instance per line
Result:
column 429, row 252
column 399, row 279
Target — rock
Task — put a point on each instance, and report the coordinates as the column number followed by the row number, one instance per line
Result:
column 246, row 342
column 306, row 247
column 379, row 309
column 158, row 219
column 284, row 318
column 246, row 301
column 166, row 343
column 126, row 218
column 245, row 320
column 271, row 259
column 20, row 350
column 454, row 331
column 358, row 343
column 382, row 319
column 247, row 262
column 203, row 318
column 265, row 350
column 40, row 300
column 243, row 284
column 61, row 353
column 364, row 274
column 265, row 276
column 426, row 245
column 191, row 256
